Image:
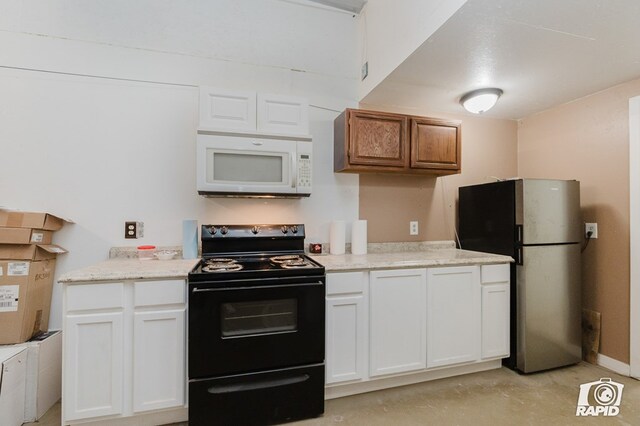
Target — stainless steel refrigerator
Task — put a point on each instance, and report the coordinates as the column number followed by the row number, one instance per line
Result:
column 538, row 223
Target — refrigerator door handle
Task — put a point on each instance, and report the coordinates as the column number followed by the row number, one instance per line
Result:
column 519, row 256
column 519, row 234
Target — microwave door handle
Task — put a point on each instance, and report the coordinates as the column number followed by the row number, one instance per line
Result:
column 294, row 171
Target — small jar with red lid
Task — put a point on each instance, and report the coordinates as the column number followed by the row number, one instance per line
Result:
column 146, row 252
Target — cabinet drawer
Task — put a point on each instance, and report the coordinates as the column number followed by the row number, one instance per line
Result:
column 345, row 283
column 495, row 273
column 164, row 292
column 95, row 296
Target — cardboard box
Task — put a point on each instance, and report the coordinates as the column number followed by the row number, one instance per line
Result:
column 30, row 251
column 25, row 298
column 13, row 361
column 25, row 236
column 18, row 219
column 44, row 374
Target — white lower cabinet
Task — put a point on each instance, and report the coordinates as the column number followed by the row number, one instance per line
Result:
column 93, row 362
column 453, row 315
column 495, row 311
column 124, row 349
column 383, row 324
column 397, row 321
column 346, row 327
column 158, row 359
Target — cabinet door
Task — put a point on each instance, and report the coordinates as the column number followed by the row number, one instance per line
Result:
column 378, row 139
column 223, row 109
column 397, row 325
column 158, row 359
column 435, row 144
column 346, row 338
column 288, row 115
column 453, row 315
column 495, row 320
column 93, row 365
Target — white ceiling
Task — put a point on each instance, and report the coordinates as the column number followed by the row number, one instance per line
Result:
column 541, row 53
column 354, row 6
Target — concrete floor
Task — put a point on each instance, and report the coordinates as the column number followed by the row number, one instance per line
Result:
column 494, row 397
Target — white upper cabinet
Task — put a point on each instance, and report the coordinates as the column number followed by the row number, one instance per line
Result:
column 231, row 110
column 283, row 114
column 245, row 112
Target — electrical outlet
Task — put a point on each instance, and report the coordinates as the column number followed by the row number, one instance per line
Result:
column 591, row 227
column 133, row 229
column 413, row 227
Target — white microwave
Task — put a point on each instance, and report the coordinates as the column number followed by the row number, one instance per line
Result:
column 238, row 166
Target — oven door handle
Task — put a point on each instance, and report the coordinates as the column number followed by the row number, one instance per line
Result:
column 202, row 290
column 264, row 384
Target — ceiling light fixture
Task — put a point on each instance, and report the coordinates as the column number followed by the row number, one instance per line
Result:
column 481, row 100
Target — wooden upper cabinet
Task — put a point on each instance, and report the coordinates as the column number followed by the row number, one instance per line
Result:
column 371, row 141
column 435, row 144
column 377, row 139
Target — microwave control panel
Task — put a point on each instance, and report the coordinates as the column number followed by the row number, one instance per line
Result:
column 304, row 171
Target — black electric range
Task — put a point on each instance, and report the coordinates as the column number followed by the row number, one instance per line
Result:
column 256, row 327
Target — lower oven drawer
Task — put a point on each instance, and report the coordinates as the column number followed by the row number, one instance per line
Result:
column 261, row 398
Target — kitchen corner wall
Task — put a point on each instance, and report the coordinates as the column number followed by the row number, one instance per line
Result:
column 100, row 107
column 389, row 202
column 588, row 140
column 391, row 31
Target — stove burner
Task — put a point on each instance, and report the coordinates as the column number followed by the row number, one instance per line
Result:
column 222, row 267
column 219, row 260
column 291, row 261
column 287, row 258
column 296, row 264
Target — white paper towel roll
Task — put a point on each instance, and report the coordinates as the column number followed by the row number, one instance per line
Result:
column 337, row 237
column 359, row 237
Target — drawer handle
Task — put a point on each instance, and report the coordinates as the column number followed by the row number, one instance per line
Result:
column 264, row 384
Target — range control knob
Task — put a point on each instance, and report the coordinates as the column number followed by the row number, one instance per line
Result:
column 294, row 229
column 224, row 230
column 255, row 230
column 213, row 230
column 284, row 229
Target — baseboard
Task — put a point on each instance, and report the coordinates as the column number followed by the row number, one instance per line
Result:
column 340, row 390
column 614, row 365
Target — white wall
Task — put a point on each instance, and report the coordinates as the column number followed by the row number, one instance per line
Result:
column 115, row 141
column 390, row 31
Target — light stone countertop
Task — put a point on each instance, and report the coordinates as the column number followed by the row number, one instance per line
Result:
column 131, row 269
column 380, row 256
column 408, row 259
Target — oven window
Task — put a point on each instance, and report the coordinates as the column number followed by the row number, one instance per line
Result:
column 259, row 317
column 247, row 168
